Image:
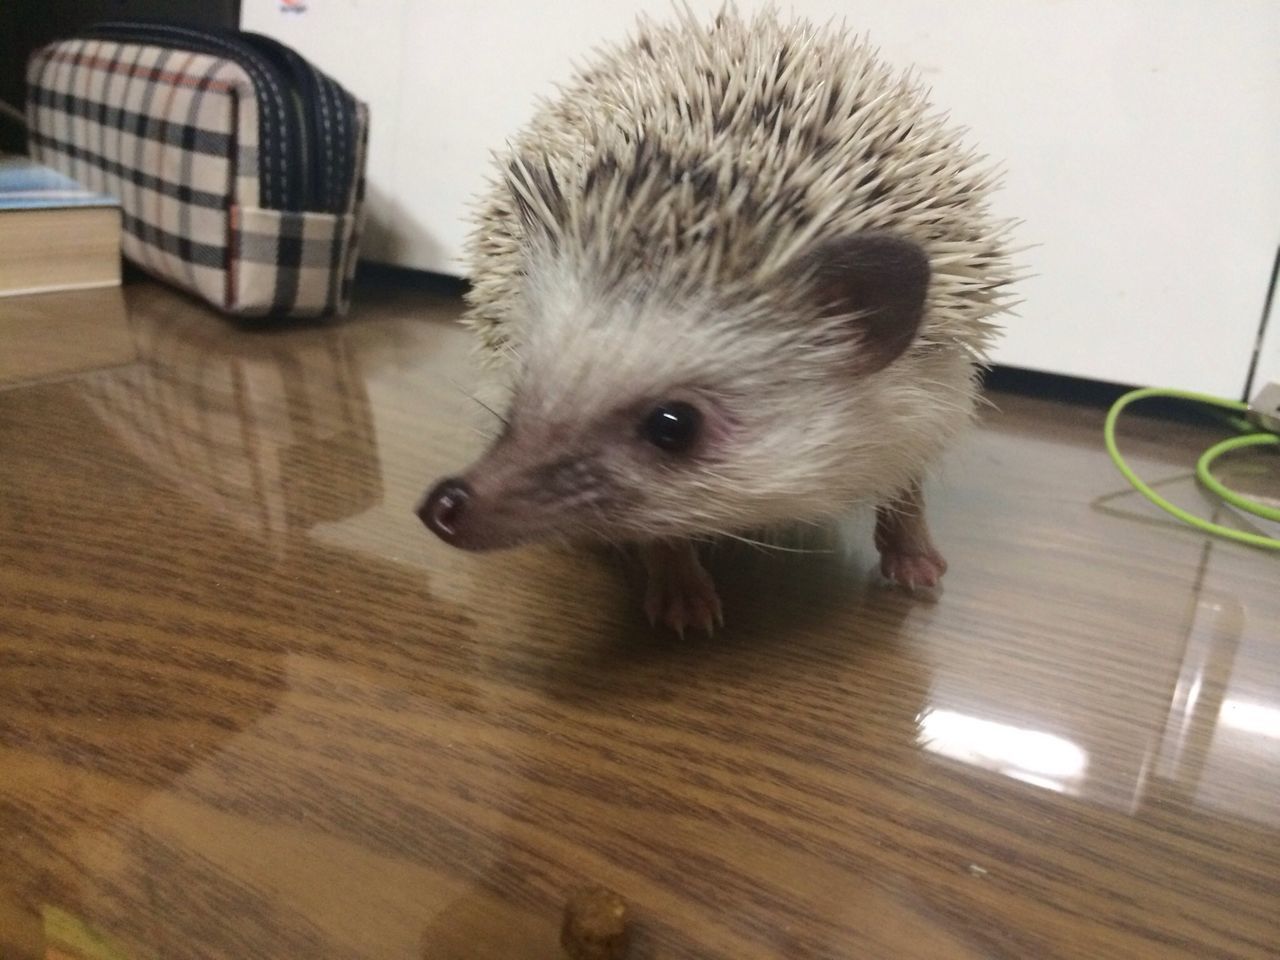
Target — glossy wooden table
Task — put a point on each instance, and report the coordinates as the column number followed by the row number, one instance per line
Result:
column 250, row 709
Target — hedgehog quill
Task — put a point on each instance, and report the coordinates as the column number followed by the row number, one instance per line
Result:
column 741, row 275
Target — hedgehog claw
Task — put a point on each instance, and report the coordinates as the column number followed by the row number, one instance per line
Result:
column 680, row 594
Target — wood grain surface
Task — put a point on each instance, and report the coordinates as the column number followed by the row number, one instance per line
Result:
column 250, row 709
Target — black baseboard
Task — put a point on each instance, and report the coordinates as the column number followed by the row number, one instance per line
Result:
column 410, row 279
column 1053, row 386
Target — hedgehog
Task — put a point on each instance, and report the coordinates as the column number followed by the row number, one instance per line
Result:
column 740, row 275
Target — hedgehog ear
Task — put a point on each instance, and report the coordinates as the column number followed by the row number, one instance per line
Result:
column 878, row 281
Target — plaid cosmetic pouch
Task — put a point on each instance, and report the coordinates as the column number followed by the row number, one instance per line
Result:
column 239, row 166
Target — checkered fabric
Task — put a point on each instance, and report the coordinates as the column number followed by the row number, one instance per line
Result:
column 176, row 137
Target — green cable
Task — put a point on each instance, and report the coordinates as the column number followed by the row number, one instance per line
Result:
column 1202, row 467
column 1222, row 490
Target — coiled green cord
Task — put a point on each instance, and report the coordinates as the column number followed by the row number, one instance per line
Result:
column 1252, row 437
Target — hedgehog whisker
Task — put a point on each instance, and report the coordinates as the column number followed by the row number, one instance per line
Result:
column 471, row 396
column 763, row 545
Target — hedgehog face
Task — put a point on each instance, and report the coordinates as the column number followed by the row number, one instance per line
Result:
column 634, row 417
column 636, row 468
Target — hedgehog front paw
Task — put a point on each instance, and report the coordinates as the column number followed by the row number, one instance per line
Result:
column 680, row 593
column 912, row 570
column 682, row 602
column 907, row 554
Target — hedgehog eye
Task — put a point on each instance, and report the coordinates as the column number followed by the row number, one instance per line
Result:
column 673, row 427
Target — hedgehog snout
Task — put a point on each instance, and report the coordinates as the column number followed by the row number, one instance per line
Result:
column 510, row 496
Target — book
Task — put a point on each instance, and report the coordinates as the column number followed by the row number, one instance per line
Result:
column 54, row 233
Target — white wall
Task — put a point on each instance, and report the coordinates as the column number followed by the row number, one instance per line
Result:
column 1141, row 141
column 1268, row 370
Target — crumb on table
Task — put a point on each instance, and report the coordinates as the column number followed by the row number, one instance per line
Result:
column 595, row 925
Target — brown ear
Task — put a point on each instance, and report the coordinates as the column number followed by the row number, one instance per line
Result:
column 878, row 281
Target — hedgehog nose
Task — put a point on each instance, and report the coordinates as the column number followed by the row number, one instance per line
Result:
column 444, row 507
